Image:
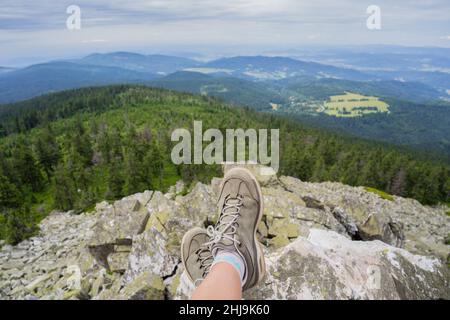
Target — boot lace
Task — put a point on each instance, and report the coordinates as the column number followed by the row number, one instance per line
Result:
column 226, row 226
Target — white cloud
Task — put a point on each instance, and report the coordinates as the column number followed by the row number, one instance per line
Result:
column 94, row 41
column 39, row 25
column 313, row 36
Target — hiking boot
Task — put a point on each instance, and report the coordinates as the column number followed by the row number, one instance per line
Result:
column 241, row 209
column 195, row 255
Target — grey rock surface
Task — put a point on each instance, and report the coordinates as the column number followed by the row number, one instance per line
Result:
column 325, row 240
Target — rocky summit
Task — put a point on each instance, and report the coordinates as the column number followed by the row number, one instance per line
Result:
column 322, row 241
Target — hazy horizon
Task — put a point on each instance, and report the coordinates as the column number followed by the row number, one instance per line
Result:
column 210, row 55
column 36, row 32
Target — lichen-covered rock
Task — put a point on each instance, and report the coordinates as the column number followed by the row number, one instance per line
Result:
column 158, row 248
column 266, row 176
column 401, row 222
column 327, row 265
column 131, row 249
column 118, row 261
column 152, row 252
column 120, row 221
column 146, row 286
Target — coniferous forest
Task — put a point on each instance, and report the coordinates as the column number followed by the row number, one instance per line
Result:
column 70, row 150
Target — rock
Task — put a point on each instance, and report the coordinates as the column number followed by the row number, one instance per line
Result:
column 120, row 221
column 313, row 203
column 281, row 203
column 6, row 248
column 97, row 284
column 284, row 227
column 370, row 229
column 279, row 241
column 122, row 248
column 402, row 222
column 263, row 230
column 173, row 283
column 152, row 251
column 184, row 289
column 74, row 277
column 15, row 274
column 338, row 268
column 108, row 286
column 118, row 261
column 266, row 176
column 143, row 198
column 17, row 254
column 350, row 226
column 321, row 240
column 178, row 189
column 37, row 282
column 146, row 286
column 198, row 206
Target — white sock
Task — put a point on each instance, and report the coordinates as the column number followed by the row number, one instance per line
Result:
column 235, row 260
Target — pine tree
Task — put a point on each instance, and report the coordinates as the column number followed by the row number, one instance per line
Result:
column 20, row 224
column 10, row 196
column 27, row 167
column 115, row 181
column 80, row 141
column 134, row 174
column 65, row 191
column 47, row 150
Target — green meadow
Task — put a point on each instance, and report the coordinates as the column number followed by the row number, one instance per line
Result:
column 353, row 105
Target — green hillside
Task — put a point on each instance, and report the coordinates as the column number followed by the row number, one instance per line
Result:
column 72, row 149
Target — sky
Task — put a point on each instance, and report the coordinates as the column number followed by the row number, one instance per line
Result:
column 35, row 30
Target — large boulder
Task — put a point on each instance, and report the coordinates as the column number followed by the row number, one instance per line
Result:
column 368, row 216
column 116, row 225
column 157, row 249
column 266, row 176
column 119, row 222
column 327, row 265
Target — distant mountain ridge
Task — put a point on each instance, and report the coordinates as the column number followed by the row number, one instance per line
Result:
column 61, row 75
column 128, row 67
column 270, row 68
column 157, row 64
column 5, row 69
column 237, row 91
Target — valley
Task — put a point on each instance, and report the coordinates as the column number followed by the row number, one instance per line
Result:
column 410, row 102
column 87, row 145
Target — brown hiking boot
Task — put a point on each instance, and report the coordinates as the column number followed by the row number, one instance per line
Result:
column 241, row 209
column 195, row 255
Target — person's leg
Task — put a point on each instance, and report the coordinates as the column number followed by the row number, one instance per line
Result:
column 222, row 283
column 231, row 260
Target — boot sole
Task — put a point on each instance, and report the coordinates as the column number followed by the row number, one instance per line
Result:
column 259, row 249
